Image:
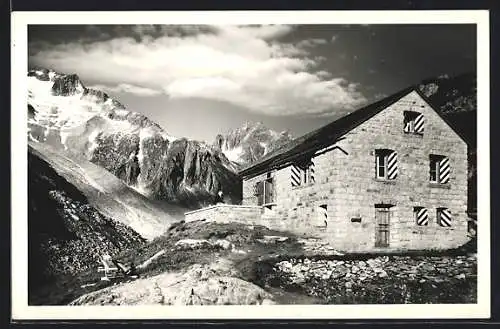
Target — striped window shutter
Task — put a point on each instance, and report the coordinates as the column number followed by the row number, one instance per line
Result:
column 421, row 216
column 419, row 124
column 295, row 175
column 311, row 172
column 444, row 217
column 322, row 215
column 392, row 165
column 444, row 170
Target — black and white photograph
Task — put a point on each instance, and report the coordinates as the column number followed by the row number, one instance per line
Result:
column 260, row 164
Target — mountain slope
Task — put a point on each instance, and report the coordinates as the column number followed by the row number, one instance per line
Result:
column 250, row 142
column 64, row 113
column 109, row 195
column 66, row 234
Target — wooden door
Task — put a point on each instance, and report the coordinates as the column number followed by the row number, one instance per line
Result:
column 382, row 220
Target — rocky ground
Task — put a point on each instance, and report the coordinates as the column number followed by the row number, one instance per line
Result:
column 224, row 253
column 384, row 279
column 219, row 264
column 67, row 236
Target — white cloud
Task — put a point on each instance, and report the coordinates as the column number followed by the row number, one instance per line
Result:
column 128, row 88
column 244, row 65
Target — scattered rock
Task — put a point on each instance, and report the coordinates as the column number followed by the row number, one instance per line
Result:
column 318, row 247
column 273, row 239
column 224, row 244
column 191, row 244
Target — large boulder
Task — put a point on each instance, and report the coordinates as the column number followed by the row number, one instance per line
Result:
column 199, row 285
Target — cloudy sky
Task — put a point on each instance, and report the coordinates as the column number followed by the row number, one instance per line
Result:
column 198, row 81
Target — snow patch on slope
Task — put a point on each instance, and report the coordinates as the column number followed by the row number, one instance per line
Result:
column 93, row 140
column 59, row 111
column 233, row 155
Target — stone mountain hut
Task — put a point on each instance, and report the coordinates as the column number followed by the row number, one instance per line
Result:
column 392, row 175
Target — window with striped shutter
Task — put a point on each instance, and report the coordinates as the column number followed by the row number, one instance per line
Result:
column 302, row 174
column 386, row 164
column 310, row 177
column 444, row 217
column 322, row 214
column 413, row 122
column 295, row 175
column 440, row 169
column 421, row 216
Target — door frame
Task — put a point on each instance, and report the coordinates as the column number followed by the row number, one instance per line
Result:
column 379, row 225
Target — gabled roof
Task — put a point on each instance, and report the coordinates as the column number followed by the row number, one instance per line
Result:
column 306, row 145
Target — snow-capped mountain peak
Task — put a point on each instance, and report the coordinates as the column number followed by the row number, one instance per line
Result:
column 62, row 112
column 60, row 106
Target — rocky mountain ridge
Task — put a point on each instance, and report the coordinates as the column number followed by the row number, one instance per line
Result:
column 65, row 114
column 250, row 142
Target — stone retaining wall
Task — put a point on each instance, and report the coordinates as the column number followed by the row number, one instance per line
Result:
column 224, row 213
column 383, row 279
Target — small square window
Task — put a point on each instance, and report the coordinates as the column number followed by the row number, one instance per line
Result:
column 322, row 213
column 439, row 169
column 386, row 164
column 302, row 174
column 413, row 122
column 421, row 216
column 444, row 217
